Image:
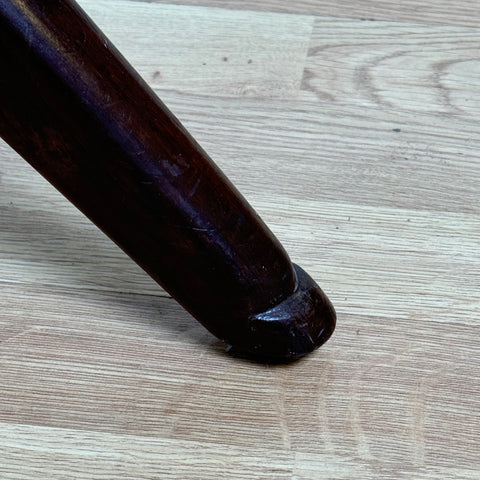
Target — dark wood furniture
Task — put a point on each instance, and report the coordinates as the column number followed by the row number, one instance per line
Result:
column 79, row 114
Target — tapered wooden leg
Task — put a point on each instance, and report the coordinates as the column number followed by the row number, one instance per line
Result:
column 78, row 113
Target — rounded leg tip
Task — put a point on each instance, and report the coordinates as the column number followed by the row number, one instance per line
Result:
column 293, row 328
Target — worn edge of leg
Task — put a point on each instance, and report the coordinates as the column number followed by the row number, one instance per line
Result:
column 295, row 327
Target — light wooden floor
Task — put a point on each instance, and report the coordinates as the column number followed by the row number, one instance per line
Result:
column 353, row 127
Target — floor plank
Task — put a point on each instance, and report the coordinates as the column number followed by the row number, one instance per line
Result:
column 400, row 66
column 128, row 373
column 65, row 454
column 208, row 50
column 369, row 155
column 466, row 12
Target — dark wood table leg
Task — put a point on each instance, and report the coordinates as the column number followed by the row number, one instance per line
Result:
column 79, row 114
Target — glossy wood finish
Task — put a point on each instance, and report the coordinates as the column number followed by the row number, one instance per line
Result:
column 80, row 115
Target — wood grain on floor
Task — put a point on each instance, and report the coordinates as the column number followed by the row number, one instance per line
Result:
column 357, row 141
